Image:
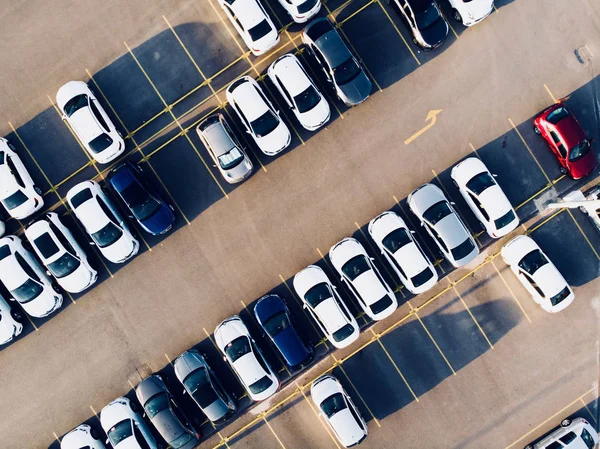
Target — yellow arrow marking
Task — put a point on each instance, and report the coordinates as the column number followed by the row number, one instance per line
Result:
column 431, row 118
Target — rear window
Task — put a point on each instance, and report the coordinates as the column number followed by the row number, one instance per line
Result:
column 557, row 299
column 343, row 332
column 14, row 200
column 463, row 250
column 557, row 115
column 504, row 220
column 260, row 385
column 317, row 294
column 533, row 261
column 568, row 438
column 27, row 292
column 46, row 245
column 4, row 252
column 307, row 6
column 381, row 305
column 108, row 235
column 422, row 277
column 259, row 31
column 64, row 265
column 333, row 404
column 307, row 99
column 100, row 143
column 318, row 29
column 237, row 348
column 80, row 198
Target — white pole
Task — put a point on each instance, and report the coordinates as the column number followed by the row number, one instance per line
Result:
column 574, row 204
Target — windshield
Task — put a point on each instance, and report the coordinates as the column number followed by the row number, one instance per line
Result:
column 428, row 17
column 333, row 404
column 141, row 203
column 14, row 200
column 533, row 261
column 75, row 103
column 200, row 388
column 64, row 265
column 231, row 159
column 343, row 332
column 381, row 305
column 557, row 115
column 436, row 212
column 557, row 299
column 264, row 124
column 28, row 291
column 106, row 236
column 156, row 404
column 260, row 30
column 422, row 277
column 579, row 150
column 100, row 143
column 463, row 250
column 181, row 440
column 355, row 267
column 317, row 294
column 237, row 348
column 120, row 432
column 504, row 220
column 260, row 385
column 307, row 99
column 396, row 240
column 306, row 6
column 346, row 71
column 277, row 324
column 480, row 182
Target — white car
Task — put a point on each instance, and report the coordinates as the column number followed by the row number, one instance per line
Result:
column 2, row 228
column 82, row 437
column 10, row 322
column 25, row 279
column 89, row 121
column 299, row 92
column 403, row 252
column 592, row 210
column 253, row 23
column 124, row 426
column 363, row 279
column 575, row 434
column 485, row 197
column 324, row 304
column 301, row 11
column 258, row 115
column 243, row 355
column 18, row 193
column 60, row 253
column 470, row 12
column 537, row 273
column 443, row 224
column 338, row 410
column 102, row 221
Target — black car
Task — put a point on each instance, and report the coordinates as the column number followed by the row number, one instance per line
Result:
column 426, row 22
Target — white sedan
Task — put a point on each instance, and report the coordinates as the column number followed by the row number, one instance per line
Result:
column 240, row 351
column 324, row 304
column 252, row 22
column 299, row 92
column 18, row 193
column 470, row 12
column 258, row 115
column 403, row 252
column 301, row 11
column 443, row 224
column 89, row 121
column 537, row 273
column 102, row 221
column 10, row 322
column 125, row 427
column 25, row 279
column 338, row 410
column 82, row 437
column 60, row 253
column 363, row 279
column 572, row 434
column 485, row 197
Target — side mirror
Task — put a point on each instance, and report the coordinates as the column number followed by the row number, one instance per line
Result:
column 422, row 224
column 63, row 117
column 11, row 298
column 224, row 358
column 130, row 216
column 372, row 259
column 92, row 244
column 48, row 273
column 248, row 132
column 453, row 203
column 107, row 441
column 494, row 175
column 412, row 232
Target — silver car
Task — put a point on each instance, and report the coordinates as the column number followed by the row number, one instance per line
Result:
column 156, row 400
column 224, row 148
column 202, row 385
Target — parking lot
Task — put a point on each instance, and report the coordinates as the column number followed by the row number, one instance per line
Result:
column 473, row 363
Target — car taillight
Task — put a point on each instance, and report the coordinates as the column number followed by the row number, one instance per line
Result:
column 35, row 202
column 120, row 145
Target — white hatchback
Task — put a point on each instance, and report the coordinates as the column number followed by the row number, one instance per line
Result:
column 470, row 12
column 299, row 92
column 301, row 11
column 89, row 121
column 18, row 193
column 572, row 434
column 102, row 221
column 325, row 306
column 537, row 273
column 403, row 252
column 25, row 279
column 485, row 197
column 252, row 22
column 363, row 278
column 60, row 253
column 10, row 322
column 82, row 437
column 125, row 427
column 258, row 115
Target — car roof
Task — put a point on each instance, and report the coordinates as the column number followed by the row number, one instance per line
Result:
column 248, row 99
column 333, row 48
column 290, row 73
column 248, row 368
column 218, row 138
column 123, row 176
column 84, row 121
column 91, row 215
column 451, row 230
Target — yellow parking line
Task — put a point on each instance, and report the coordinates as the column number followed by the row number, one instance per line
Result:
column 539, row 225
column 273, row 431
column 495, row 9
column 369, row 3
column 550, row 93
column 56, row 437
column 449, row 24
column 469, row 311
column 131, row 384
column 223, row 439
column 168, row 359
column 588, row 410
column 583, row 234
column 227, row 26
column 511, row 292
column 398, row 31
column 94, row 411
column 529, row 149
column 312, row 407
column 338, row 9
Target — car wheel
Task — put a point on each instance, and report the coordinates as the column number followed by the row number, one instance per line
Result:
column 37, row 190
column 94, row 434
column 134, row 406
column 529, row 446
column 415, row 41
column 456, row 16
column 565, row 422
column 16, row 315
column 536, row 130
column 563, row 170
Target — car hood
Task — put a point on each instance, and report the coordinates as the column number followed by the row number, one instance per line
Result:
column 167, row 425
column 291, row 347
column 120, row 249
column 583, row 166
column 240, row 171
column 369, row 287
column 160, row 221
column 549, row 279
column 78, row 280
column 276, row 140
column 248, row 368
column 435, row 34
column 357, row 90
column 414, row 260
column 334, row 317
column 496, row 203
column 346, row 427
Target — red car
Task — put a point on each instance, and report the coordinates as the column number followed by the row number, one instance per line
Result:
column 567, row 140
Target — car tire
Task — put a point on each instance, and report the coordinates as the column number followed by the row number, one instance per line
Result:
column 94, row 434
column 563, row 170
column 536, row 130
column 134, row 406
column 529, row 446
column 565, row 422
column 16, row 315
column 415, row 41
column 456, row 16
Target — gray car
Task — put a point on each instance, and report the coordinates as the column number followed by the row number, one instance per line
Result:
column 157, row 402
column 202, row 385
column 341, row 67
column 227, row 153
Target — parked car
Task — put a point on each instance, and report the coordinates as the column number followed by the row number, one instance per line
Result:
column 275, row 319
column 203, row 386
column 567, row 140
column 426, row 22
column 574, row 434
column 125, row 427
column 11, row 322
column 470, row 12
column 2, row 228
column 484, row 197
column 342, row 69
column 403, row 252
column 338, row 410
column 224, row 148
column 143, row 203
column 89, row 121
column 18, row 193
column 159, row 406
column 244, row 356
column 593, row 210
column 301, row 10
column 61, row 254
column 443, row 224
column 363, row 279
column 537, row 273
column 25, row 279
column 252, row 22
column 299, row 92
column 82, row 437
column 102, row 221
column 324, row 304
column 258, row 115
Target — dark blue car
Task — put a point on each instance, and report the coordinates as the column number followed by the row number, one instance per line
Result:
column 274, row 317
column 152, row 213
